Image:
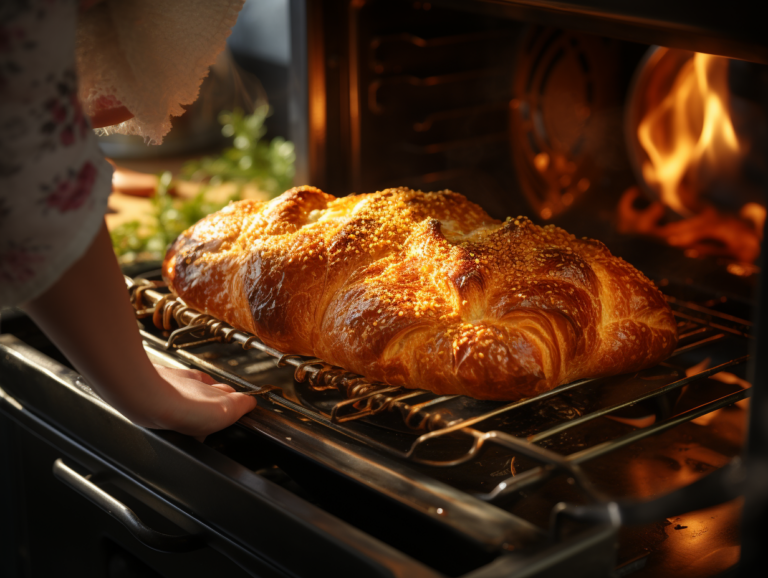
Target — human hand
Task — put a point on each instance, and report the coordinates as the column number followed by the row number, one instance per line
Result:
column 106, row 348
column 193, row 403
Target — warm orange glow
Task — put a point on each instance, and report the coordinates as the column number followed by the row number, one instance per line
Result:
column 708, row 232
column 754, row 213
column 690, row 133
column 541, row 162
column 638, row 422
column 723, row 376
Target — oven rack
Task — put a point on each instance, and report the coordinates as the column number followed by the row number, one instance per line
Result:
column 698, row 327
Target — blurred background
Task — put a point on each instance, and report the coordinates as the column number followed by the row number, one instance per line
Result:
column 230, row 144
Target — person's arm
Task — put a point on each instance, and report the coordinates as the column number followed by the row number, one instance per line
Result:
column 88, row 316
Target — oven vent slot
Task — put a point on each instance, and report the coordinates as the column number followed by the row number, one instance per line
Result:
column 428, row 91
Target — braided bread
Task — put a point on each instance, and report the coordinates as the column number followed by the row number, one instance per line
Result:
column 423, row 290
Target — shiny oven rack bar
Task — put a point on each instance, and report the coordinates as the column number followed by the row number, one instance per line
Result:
column 423, row 413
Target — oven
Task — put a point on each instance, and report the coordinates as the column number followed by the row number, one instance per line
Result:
column 527, row 108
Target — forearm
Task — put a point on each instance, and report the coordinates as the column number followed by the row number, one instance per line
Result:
column 87, row 314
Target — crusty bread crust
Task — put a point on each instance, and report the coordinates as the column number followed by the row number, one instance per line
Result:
column 423, row 290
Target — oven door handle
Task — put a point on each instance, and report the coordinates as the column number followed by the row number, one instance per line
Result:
column 123, row 514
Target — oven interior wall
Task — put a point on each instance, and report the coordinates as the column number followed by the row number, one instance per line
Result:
column 421, row 96
column 430, row 96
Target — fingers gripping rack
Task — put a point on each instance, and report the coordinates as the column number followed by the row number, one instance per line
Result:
column 189, row 328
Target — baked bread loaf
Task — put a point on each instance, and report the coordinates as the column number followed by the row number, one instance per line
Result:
column 423, row 290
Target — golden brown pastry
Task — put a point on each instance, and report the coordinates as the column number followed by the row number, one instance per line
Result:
column 423, row 290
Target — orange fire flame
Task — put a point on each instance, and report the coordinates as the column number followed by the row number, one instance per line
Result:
column 706, row 233
column 690, row 133
column 692, row 148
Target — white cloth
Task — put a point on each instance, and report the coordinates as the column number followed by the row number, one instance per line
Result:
column 150, row 56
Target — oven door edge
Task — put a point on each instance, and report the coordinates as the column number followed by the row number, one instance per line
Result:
column 54, row 403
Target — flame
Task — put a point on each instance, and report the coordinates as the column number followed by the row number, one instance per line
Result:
column 708, row 232
column 690, row 132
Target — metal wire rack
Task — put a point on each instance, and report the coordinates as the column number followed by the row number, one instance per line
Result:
column 422, row 411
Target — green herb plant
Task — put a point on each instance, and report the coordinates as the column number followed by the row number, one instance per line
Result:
column 270, row 166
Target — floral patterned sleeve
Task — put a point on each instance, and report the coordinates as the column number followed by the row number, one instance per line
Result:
column 54, row 181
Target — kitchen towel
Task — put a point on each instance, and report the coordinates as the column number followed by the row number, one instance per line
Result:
column 150, row 56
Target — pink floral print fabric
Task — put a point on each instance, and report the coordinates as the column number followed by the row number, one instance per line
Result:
column 54, row 180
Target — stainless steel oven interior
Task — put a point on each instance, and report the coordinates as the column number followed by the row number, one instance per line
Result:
column 524, row 107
